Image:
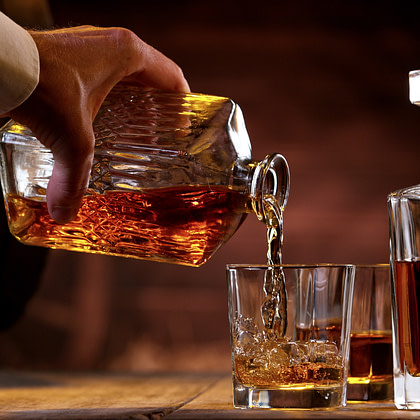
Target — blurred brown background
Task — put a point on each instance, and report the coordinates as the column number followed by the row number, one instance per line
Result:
column 324, row 83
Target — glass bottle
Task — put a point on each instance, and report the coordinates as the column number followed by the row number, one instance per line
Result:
column 404, row 233
column 172, row 179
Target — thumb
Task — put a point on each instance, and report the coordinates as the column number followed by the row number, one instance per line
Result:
column 73, row 153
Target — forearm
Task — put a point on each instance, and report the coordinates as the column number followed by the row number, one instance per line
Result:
column 19, row 65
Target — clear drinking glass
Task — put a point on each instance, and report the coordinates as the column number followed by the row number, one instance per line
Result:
column 370, row 370
column 306, row 364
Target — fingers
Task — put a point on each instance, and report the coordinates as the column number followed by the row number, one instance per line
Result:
column 150, row 67
column 162, row 73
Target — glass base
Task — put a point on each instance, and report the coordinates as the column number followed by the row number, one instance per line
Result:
column 406, row 391
column 371, row 391
column 408, row 406
column 307, row 398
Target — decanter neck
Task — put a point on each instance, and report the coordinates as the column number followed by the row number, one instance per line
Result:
column 269, row 188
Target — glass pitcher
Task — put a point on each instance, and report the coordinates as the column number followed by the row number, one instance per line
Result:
column 172, row 179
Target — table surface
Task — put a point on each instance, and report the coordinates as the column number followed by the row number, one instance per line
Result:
column 47, row 395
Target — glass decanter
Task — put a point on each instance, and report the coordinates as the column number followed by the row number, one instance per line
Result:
column 172, row 179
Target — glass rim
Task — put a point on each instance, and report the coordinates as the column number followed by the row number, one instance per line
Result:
column 290, row 266
column 377, row 265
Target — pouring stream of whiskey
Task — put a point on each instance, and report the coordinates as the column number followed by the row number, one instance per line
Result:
column 274, row 307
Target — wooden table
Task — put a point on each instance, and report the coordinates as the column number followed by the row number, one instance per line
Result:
column 46, row 395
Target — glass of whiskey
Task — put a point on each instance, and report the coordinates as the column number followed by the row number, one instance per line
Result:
column 370, row 374
column 290, row 334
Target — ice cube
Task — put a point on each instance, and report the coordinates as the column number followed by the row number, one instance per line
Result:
column 278, row 357
column 246, row 324
column 245, row 342
column 323, row 352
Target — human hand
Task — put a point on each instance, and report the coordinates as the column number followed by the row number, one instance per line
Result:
column 79, row 66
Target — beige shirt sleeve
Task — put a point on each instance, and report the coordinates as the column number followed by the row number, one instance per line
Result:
column 19, row 64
